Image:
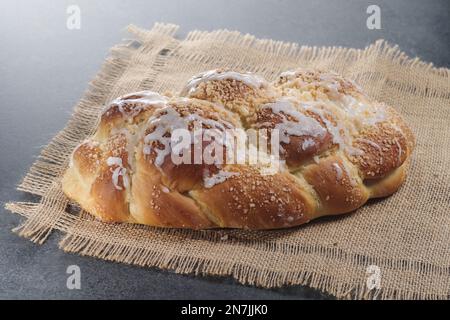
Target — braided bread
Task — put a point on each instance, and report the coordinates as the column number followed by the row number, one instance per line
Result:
column 337, row 149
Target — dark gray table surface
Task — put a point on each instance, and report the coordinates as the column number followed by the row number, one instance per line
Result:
column 45, row 68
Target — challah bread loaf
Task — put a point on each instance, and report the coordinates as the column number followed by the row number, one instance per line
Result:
column 337, row 149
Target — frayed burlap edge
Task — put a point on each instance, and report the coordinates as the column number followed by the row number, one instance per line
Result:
column 52, row 211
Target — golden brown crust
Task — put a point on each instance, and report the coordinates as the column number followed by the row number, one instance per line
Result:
column 88, row 157
column 387, row 185
column 299, row 148
column 340, row 149
column 339, row 188
column 384, row 149
column 240, row 97
column 252, row 200
column 156, row 204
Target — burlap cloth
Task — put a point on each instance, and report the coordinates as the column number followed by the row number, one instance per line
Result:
column 406, row 235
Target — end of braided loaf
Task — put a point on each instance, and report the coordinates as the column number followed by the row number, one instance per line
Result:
column 338, row 148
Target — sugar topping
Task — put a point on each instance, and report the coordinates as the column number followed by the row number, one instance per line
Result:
column 352, row 179
column 167, row 119
column 338, row 170
column 356, row 110
column 328, row 80
column 341, row 134
column 360, row 113
column 300, row 125
column 369, row 142
column 247, row 78
column 90, row 143
column 118, row 171
column 140, row 99
column 308, row 143
column 210, row 180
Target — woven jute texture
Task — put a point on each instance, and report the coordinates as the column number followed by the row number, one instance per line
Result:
column 407, row 235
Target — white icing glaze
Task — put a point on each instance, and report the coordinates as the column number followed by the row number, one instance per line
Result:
column 327, row 81
column 144, row 96
column 289, row 74
column 117, row 172
column 369, row 142
column 114, row 161
column 307, row 143
column 168, row 119
column 338, row 170
column 351, row 115
column 210, row 181
column 337, row 131
column 140, row 98
column 400, row 150
column 247, row 78
column 302, row 126
column 360, row 113
column 341, row 134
